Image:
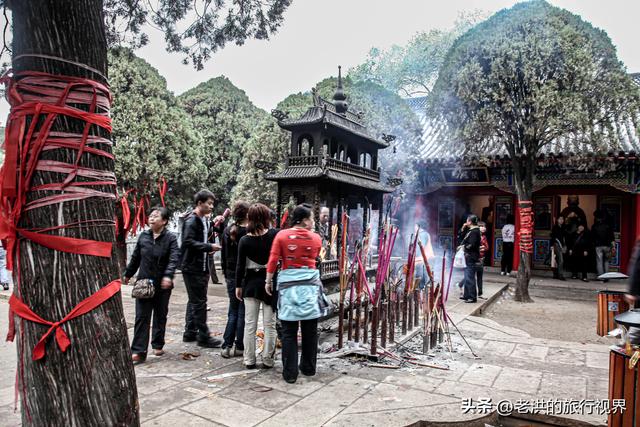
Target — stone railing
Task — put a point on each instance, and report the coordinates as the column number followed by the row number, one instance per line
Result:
column 329, row 269
column 352, row 169
column 304, row 161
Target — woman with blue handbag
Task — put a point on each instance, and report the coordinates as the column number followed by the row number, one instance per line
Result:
column 301, row 299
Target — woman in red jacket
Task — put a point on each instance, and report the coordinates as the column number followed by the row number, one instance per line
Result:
column 300, row 293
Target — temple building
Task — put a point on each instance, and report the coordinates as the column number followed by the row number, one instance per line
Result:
column 450, row 188
column 332, row 163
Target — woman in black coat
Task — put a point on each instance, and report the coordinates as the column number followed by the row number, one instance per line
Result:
column 579, row 253
column 155, row 257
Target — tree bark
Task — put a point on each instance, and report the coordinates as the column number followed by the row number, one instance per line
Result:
column 93, row 382
column 524, row 169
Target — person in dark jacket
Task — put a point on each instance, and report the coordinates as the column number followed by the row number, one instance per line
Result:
column 579, row 253
column 471, row 242
column 155, row 257
column 195, row 270
column 603, row 241
column 234, row 331
column 559, row 243
column 251, row 275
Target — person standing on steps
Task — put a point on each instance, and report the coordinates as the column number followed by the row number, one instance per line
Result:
column 234, row 331
column 155, row 257
column 579, row 253
column 484, row 247
column 603, row 241
column 508, row 239
column 471, row 243
column 559, row 242
column 195, row 269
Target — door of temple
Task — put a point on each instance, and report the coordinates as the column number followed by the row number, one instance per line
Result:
column 503, row 208
column 543, row 208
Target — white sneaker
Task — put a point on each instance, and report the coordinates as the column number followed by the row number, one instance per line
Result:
column 502, row 273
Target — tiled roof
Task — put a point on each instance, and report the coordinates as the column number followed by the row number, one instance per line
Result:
column 312, row 172
column 323, row 114
column 435, row 144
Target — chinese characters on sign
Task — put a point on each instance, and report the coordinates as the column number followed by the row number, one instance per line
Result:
column 544, row 407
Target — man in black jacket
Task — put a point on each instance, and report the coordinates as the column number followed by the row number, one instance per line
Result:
column 603, row 241
column 195, row 270
column 471, row 243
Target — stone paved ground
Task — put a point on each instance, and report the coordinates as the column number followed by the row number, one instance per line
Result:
column 511, row 365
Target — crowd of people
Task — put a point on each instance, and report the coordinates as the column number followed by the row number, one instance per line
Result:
column 574, row 246
column 264, row 268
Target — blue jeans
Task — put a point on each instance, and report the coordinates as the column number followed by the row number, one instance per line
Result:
column 234, row 330
column 470, row 282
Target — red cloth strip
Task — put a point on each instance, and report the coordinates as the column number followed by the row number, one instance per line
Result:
column 18, row 307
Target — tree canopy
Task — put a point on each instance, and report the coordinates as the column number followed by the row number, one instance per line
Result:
column 412, row 70
column 154, row 138
column 195, row 29
column 531, row 77
column 226, row 119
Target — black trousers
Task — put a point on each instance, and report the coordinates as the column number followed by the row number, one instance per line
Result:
column 196, row 317
column 579, row 265
column 506, row 263
column 158, row 307
column 309, row 355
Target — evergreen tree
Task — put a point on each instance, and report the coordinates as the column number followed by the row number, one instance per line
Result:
column 226, row 119
column 531, row 77
column 154, row 138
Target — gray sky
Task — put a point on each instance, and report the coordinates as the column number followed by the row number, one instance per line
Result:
column 318, row 35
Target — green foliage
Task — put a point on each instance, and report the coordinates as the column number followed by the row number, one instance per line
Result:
column 531, row 76
column 412, row 70
column 154, row 137
column 268, row 143
column 226, row 119
column 196, row 29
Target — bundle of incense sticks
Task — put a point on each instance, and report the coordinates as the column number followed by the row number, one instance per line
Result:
column 344, row 274
column 326, row 249
column 408, row 282
column 435, row 325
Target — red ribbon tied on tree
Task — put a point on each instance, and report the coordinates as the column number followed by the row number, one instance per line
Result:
column 162, row 190
column 526, row 226
column 83, row 307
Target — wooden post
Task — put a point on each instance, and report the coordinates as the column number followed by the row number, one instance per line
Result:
column 416, row 307
column 365, row 326
column 356, row 323
column 391, row 311
column 409, row 311
column 374, row 329
column 383, row 328
column 405, row 307
column 341, row 324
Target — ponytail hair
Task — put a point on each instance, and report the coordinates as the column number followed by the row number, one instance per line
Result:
column 239, row 213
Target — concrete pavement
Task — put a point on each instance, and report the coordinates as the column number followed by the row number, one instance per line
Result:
column 511, row 365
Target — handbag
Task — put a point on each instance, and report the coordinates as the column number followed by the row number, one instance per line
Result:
column 458, row 260
column 143, row 289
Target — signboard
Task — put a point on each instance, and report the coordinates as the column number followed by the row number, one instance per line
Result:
column 465, row 176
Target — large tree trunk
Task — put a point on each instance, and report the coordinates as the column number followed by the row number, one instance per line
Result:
column 524, row 169
column 93, row 382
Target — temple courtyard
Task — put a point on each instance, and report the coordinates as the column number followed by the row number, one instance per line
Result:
column 547, row 350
